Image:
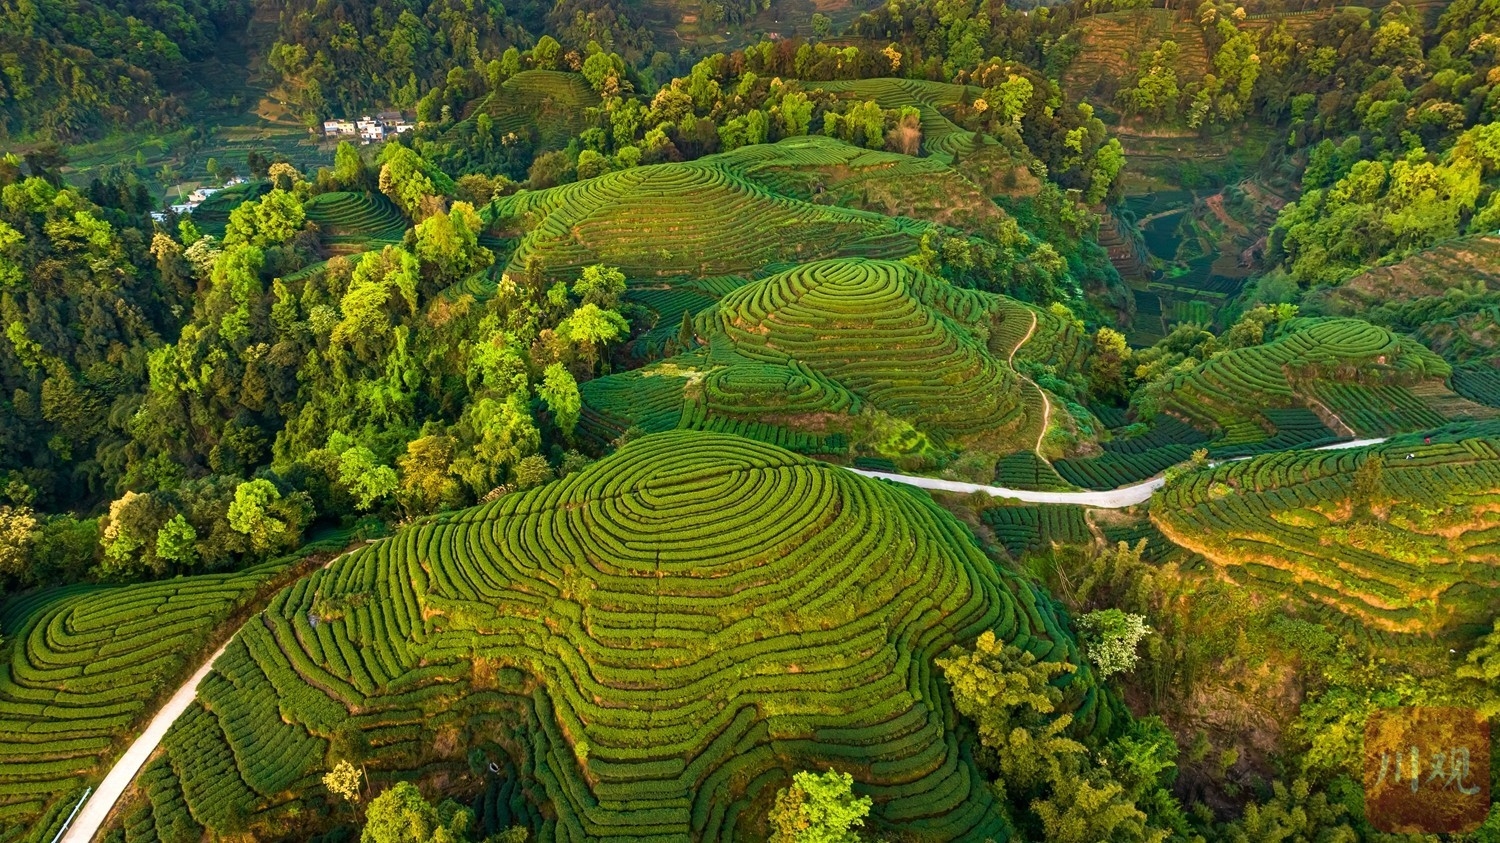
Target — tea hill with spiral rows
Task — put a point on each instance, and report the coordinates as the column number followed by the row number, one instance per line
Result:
column 656, row 643
column 804, row 352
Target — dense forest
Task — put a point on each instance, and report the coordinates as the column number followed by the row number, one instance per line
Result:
column 610, row 270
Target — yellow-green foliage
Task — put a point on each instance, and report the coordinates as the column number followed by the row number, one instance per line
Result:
column 698, row 218
column 941, row 137
column 659, row 641
column 872, row 347
column 81, row 665
column 1414, row 547
column 1359, row 376
column 832, row 172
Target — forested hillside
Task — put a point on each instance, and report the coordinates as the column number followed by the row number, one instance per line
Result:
column 509, row 445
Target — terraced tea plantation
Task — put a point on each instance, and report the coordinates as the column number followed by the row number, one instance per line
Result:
column 1425, row 560
column 553, row 102
column 1361, row 380
column 1036, row 527
column 941, row 137
column 82, row 667
column 658, row 641
column 698, row 219
column 356, row 218
column 831, row 172
column 871, row 353
column 1133, row 459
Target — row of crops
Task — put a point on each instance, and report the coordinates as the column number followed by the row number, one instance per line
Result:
column 554, row 103
column 815, row 165
column 656, row 643
column 1225, row 392
column 894, row 336
column 696, row 218
column 1423, row 558
column 804, row 357
column 669, row 300
column 941, row 137
column 82, row 665
column 356, row 218
column 1133, row 459
column 1036, row 527
column 1027, row 470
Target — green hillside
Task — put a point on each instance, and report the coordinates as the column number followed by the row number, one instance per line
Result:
column 696, row 218
column 658, row 641
column 356, row 218
column 83, row 665
column 554, row 103
column 873, row 355
column 941, row 137
column 830, row 172
column 1412, row 551
column 1362, row 380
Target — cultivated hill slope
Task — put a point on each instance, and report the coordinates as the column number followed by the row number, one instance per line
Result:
column 1426, row 559
column 828, row 171
column 941, row 137
column 1361, row 379
column 80, row 667
column 839, row 353
column 657, row 641
column 1430, row 272
column 698, row 218
column 554, row 103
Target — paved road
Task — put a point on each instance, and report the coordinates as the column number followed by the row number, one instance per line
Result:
column 88, row 822
column 96, row 811
column 1112, row 499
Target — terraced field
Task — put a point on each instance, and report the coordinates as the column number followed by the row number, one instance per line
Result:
column 690, row 219
column 1430, row 272
column 658, row 641
column 829, row 171
column 1426, row 562
column 941, row 137
column 1133, row 459
column 1109, row 43
column 825, row 348
column 1362, row 381
column 81, row 666
column 553, row 102
column 1037, row 526
column 668, row 300
column 356, row 218
column 212, row 215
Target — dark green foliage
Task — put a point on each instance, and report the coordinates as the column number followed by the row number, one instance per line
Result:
column 76, row 70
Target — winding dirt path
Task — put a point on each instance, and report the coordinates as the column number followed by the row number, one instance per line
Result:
column 1046, row 402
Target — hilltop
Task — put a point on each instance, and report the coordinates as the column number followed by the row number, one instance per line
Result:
column 654, row 670
column 843, row 355
column 552, row 103
column 764, row 205
column 1361, row 380
column 694, row 218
